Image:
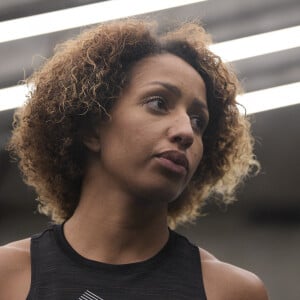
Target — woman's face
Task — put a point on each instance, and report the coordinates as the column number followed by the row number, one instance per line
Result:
column 152, row 144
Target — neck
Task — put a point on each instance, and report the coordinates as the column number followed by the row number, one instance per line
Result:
column 115, row 227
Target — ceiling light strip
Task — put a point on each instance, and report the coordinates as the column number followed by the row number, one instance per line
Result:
column 254, row 102
column 272, row 98
column 82, row 16
column 259, row 44
column 13, row 97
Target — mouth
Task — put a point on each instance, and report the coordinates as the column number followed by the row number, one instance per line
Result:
column 174, row 161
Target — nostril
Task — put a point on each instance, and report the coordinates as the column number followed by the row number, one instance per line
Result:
column 181, row 132
column 183, row 140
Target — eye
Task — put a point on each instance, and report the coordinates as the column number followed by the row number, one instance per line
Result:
column 198, row 123
column 157, row 103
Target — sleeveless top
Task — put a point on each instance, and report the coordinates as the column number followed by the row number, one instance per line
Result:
column 58, row 272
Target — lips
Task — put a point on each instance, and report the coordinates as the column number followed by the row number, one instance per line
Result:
column 176, row 157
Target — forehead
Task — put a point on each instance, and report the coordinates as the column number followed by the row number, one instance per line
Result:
column 170, row 69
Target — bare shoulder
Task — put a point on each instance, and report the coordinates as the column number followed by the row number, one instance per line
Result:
column 15, row 270
column 228, row 282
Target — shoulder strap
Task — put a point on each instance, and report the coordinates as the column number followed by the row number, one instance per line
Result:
column 38, row 244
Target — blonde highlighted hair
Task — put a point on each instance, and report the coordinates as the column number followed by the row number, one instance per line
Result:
column 76, row 88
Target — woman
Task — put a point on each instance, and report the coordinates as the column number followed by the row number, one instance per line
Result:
column 124, row 136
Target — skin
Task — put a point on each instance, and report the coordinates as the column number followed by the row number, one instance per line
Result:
column 122, row 213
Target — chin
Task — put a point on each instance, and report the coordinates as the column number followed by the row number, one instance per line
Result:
column 160, row 188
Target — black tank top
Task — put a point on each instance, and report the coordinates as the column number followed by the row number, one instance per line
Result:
column 60, row 273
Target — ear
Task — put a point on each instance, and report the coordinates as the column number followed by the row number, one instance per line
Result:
column 92, row 141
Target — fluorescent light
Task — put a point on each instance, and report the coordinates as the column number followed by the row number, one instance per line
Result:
column 258, row 44
column 254, row 102
column 115, row 9
column 13, row 97
column 82, row 16
column 276, row 97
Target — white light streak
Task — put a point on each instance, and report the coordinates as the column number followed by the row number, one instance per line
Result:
column 81, row 16
column 256, row 45
column 272, row 98
column 254, row 102
column 13, row 97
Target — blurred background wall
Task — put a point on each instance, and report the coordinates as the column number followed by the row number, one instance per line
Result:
column 260, row 232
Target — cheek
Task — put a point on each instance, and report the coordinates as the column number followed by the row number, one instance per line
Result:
column 127, row 138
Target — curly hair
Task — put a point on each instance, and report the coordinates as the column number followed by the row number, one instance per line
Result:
column 76, row 89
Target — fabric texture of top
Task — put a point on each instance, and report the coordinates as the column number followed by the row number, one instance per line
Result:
column 58, row 272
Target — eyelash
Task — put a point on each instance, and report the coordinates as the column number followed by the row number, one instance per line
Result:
column 155, row 99
column 201, row 127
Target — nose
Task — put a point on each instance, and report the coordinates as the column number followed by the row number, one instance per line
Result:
column 181, row 132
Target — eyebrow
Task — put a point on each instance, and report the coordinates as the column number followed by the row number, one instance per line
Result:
column 172, row 88
column 176, row 91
